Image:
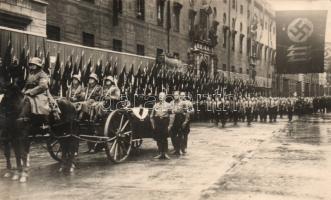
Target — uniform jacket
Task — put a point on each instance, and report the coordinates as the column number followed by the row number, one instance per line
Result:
column 75, row 94
column 37, row 88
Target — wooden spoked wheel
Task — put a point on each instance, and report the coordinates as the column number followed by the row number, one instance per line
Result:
column 54, row 149
column 118, row 129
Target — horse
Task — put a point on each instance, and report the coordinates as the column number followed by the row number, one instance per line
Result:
column 17, row 127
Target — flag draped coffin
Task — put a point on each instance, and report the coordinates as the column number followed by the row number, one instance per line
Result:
column 300, row 41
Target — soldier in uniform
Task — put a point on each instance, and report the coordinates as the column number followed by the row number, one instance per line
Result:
column 234, row 107
column 256, row 107
column 290, row 109
column 91, row 94
column 263, row 110
column 179, row 117
column 188, row 110
column 161, row 124
column 248, row 110
column 36, row 108
column 74, row 93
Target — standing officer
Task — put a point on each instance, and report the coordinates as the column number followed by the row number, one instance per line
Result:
column 179, row 117
column 161, row 124
column 188, row 110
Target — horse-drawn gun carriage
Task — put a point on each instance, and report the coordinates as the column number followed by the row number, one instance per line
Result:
column 117, row 132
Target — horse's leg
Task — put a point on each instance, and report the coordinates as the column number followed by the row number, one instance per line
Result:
column 17, row 151
column 6, row 145
column 24, row 156
column 72, row 151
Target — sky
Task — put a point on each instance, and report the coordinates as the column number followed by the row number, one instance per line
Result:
column 306, row 5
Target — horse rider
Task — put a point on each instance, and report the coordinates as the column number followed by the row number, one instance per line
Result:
column 161, row 124
column 179, row 118
column 74, row 93
column 37, row 106
column 189, row 110
column 91, row 94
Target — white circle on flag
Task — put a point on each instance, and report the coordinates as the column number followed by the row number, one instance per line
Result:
column 300, row 29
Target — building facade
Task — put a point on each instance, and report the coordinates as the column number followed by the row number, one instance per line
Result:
column 234, row 38
column 25, row 15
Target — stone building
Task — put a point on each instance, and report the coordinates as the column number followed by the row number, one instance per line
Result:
column 25, row 15
column 235, row 38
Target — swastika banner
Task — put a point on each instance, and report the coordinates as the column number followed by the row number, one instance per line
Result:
column 300, row 41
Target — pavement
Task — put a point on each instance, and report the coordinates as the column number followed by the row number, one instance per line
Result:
column 271, row 161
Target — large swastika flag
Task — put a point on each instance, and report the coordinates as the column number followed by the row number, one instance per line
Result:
column 300, row 41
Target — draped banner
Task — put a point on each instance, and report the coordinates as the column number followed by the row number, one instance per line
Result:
column 300, row 41
column 327, row 58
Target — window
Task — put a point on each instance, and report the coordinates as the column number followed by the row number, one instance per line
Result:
column 225, row 36
column 88, row 39
column 117, row 45
column 159, row 52
column 233, row 23
column 233, row 68
column 248, row 45
column 265, row 53
column 241, row 42
column 225, row 1
column 241, row 70
column 266, row 25
column 140, row 49
column 247, row 71
column 224, row 18
column 89, row 1
column 160, row 12
column 248, row 14
column 118, row 9
column 141, row 9
column 233, row 39
column 234, row 4
column 241, row 26
column 224, row 67
column 53, row 32
column 176, row 55
column 241, row 9
column 177, row 7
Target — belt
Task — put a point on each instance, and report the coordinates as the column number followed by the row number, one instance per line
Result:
column 159, row 117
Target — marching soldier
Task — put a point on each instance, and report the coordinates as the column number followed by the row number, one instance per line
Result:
column 256, row 107
column 234, row 107
column 263, row 111
column 161, row 124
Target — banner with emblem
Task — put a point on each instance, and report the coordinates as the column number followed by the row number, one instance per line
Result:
column 327, row 57
column 300, row 41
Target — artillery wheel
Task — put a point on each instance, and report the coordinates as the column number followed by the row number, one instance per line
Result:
column 118, row 129
column 54, row 148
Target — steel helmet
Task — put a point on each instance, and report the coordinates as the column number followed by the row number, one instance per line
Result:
column 94, row 76
column 36, row 61
column 76, row 76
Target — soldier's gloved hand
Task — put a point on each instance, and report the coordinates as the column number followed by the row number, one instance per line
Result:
column 28, row 92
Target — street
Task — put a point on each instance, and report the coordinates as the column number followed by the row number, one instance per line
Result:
column 271, row 161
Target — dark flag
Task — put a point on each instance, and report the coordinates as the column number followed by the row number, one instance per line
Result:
column 87, row 72
column 6, row 62
column 56, row 77
column 47, row 65
column 66, row 77
column 99, row 71
column 168, row 16
column 327, row 58
column 75, row 68
column 300, row 41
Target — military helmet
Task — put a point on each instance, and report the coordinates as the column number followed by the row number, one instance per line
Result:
column 94, row 76
column 76, row 76
column 110, row 78
column 35, row 61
